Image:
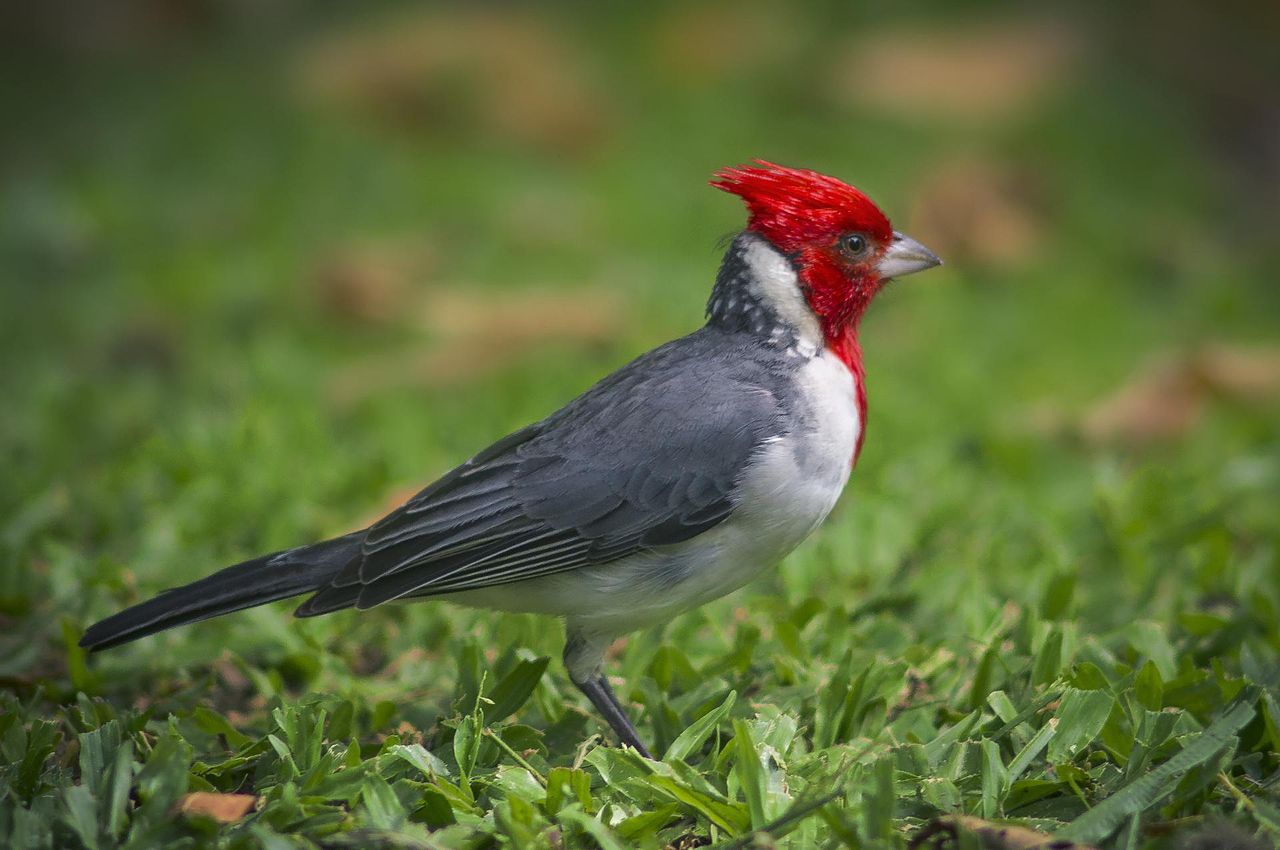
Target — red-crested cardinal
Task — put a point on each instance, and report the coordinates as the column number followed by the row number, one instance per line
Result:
column 671, row 482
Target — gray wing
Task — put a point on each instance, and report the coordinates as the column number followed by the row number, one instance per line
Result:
column 648, row 457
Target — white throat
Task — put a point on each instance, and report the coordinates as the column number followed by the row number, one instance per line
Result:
column 773, row 281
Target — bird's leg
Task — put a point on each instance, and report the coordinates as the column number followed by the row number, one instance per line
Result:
column 606, row 702
column 584, row 659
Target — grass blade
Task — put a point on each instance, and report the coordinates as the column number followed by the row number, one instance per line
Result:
column 692, row 739
column 1137, row 796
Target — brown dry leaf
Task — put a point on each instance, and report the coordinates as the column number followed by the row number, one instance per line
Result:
column 224, row 808
column 978, row 72
column 980, row 213
column 1248, row 375
column 1168, row 398
column 945, row 830
column 369, row 280
column 480, row 335
column 482, row 72
column 1159, row 403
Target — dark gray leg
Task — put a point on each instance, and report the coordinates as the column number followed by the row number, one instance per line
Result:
column 584, row 659
column 606, row 702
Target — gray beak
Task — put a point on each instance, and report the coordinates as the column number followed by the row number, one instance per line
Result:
column 906, row 256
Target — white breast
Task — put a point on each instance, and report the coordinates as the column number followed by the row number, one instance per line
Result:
column 786, row 492
column 797, row 479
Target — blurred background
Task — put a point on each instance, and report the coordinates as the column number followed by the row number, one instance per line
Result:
column 265, row 267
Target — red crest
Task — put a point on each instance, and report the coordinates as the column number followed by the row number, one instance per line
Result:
column 794, row 207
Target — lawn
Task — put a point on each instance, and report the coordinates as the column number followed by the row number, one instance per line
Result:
column 262, row 277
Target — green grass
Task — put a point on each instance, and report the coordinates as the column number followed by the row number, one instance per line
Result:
column 998, row 620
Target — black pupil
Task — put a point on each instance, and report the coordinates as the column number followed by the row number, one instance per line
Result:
column 854, row 244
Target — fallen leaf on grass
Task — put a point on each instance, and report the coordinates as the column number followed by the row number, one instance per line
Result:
column 224, row 808
column 1168, row 398
column 1251, row 375
column 1160, row 403
column 980, row 213
column 369, row 281
column 946, row 831
column 475, row 336
column 977, row 72
column 477, row 72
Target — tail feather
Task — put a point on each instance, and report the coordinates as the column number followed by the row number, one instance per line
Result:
column 257, row 581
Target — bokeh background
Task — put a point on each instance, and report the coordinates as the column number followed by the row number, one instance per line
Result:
column 265, row 268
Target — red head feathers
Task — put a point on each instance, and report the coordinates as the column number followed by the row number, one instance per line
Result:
column 833, row 234
column 794, row 207
column 810, row 217
column 840, row 244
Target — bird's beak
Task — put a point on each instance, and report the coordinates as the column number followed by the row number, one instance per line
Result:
column 905, row 256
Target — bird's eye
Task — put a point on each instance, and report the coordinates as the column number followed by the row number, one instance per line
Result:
column 853, row 244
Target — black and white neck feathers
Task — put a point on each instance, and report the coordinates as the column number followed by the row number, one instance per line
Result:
column 757, row 291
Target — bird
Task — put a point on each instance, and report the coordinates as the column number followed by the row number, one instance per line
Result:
column 671, row 482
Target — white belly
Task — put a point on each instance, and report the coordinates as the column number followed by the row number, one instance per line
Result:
column 785, row 494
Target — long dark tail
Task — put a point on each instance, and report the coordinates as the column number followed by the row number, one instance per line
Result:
column 254, row 582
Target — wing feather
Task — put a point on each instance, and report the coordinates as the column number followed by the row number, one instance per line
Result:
column 649, row 457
